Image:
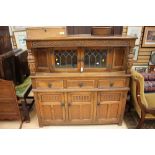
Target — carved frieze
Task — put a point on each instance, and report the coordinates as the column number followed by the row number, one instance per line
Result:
column 79, row 43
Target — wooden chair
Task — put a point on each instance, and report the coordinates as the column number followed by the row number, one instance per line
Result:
column 12, row 98
column 22, row 92
column 9, row 109
column 144, row 103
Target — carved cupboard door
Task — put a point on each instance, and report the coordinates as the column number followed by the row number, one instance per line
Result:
column 109, row 107
column 52, row 107
column 80, row 107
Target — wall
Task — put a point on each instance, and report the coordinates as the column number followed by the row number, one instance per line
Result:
column 144, row 53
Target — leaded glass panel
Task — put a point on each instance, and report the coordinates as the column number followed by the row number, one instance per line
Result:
column 95, row 58
column 65, row 58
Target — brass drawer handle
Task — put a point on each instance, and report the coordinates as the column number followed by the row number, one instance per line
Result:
column 98, row 103
column 111, row 84
column 62, row 104
column 49, row 85
column 69, row 104
column 81, row 84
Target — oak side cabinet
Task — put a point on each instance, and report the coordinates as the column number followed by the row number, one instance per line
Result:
column 80, row 79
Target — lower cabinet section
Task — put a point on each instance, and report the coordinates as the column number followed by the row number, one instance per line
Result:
column 80, row 107
column 109, row 106
column 52, row 107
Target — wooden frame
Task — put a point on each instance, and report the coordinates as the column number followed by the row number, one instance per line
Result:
column 20, row 37
column 135, row 31
column 144, row 110
column 149, row 37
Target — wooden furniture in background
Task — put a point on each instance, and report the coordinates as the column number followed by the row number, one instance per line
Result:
column 73, row 30
column 46, row 32
column 5, row 41
column 80, row 80
column 14, row 66
column 102, row 30
column 21, row 65
column 7, row 66
column 9, row 109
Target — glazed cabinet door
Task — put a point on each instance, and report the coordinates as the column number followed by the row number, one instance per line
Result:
column 80, row 107
column 109, row 107
column 52, row 107
column 65, row 59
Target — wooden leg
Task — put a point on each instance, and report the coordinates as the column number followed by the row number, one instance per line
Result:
column 141, row 121
column 26, row 111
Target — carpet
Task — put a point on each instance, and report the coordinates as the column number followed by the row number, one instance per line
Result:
column 131, row 119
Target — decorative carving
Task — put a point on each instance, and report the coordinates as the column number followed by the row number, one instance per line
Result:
column 81, row 98
column 31, row 62
column 79, row 43
column 129, row 60
column 110, row 97
column 51, row 98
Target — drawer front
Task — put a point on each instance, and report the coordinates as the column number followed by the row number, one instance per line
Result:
column 111, row 83
column 49, row 84
column 80, row 83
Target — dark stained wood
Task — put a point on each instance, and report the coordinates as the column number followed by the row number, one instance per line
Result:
column 5, row 40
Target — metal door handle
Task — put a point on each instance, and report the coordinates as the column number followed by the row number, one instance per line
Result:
column 80, row 84
column 62, row 104
column 49, row 85
column 98, row 103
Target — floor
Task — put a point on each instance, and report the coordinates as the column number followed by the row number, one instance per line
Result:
column 34, row 124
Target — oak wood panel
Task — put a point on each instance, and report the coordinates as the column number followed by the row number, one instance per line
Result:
column 118, row 58
column 9, row 109
column 48, row 83
column 108, row 106
column 52, row 107
column 80, row 107
column 113, row 82
column 80, row 83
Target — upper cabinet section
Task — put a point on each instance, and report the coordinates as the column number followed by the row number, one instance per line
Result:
column 81, row 54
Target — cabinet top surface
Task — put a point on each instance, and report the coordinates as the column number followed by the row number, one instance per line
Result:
column 84, row 74
column 85, row 37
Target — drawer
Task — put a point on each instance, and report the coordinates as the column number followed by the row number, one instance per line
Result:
column 106, row 83
column 49, row 84
column 80, row 83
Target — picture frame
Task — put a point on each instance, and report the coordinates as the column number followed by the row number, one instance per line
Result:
column 149, row 36
column 20, row 39
column 135, row 31
column 141, row 69
column 135, row 53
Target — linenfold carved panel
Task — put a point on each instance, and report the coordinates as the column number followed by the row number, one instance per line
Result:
column 79, row 43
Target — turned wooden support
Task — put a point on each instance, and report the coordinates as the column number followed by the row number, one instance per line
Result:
column 31, row 62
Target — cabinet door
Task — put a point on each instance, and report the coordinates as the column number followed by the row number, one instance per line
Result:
column 52, row 107
column 96, row 59
column 109, row 107
column 65, row 59
column 118, row 58
column 80, row 107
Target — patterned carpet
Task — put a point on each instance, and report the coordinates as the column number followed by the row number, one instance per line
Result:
column 131, row 119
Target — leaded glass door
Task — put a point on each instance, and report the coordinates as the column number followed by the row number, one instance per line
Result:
column 96, row 59
column 65, row 59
